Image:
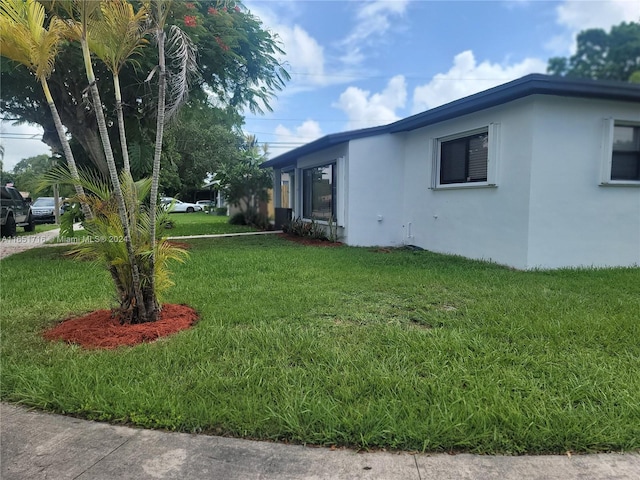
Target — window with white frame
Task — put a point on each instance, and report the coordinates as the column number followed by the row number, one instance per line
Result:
column 625, row 153
column 620, row 153
column 319, row 192
column 466, row 159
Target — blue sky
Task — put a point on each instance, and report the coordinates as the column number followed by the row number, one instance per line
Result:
column 357, row 64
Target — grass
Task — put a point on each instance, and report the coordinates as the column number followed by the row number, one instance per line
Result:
column 345, row 346
column 200, row 223
column 184, row 224
column 43, row 227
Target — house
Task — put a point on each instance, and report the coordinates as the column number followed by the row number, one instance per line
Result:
column 541, row 172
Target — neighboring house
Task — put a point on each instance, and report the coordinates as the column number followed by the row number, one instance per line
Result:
column 211, row 191
column 539, row 172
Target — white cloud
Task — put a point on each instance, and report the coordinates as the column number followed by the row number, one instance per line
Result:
column 25, row 142
column 366, row 110
column 578, row 15
column 287, row 139
column 466, row 77
column 304, row 56
column 373, row 20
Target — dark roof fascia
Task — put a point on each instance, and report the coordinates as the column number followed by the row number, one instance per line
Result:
column 290, row 157
column 534, row 84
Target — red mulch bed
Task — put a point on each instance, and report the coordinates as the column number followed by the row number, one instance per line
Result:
column 309, row 241
column 100, row 329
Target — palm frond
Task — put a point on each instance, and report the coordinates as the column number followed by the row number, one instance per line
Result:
column 141, row 157
column 158, row 13
column 46, row 49
column 118, row 33
column 103, row 239
column 14, row 43
column 15, row 10
column 183, row 69
column 90, row 180
column 166, row 252
column 35, row 19
column 24, row 39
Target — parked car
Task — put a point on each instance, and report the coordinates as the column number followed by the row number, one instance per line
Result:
column 207, row 205
column 43, row 209
column 16, row 212
column 176, row 206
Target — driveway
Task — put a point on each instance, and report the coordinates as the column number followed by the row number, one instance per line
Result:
column 9, row 246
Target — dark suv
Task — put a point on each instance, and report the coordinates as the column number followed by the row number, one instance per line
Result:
column 16, row 212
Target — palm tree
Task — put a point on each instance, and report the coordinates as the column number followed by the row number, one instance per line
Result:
column 24, row 39
column 140, row 306
column 184, row 53
column 106, row 225
column 113, row 32
column 159, row 10
column 118, row 34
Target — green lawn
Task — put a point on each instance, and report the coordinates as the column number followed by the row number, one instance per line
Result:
column 200, row 223
column 344, row 346
column 39, row 229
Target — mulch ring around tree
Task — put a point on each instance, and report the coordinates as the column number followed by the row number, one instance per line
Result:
column 309, row 241
column 102, row 330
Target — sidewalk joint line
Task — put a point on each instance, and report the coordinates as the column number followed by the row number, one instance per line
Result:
column 100, row 459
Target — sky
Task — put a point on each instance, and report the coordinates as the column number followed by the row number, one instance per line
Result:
column 357, row 64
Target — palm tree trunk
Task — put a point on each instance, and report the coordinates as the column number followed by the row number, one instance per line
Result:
column 139, row 313
column 123, row 136
column 65, row 147
column 131, row 202
column 162, row 86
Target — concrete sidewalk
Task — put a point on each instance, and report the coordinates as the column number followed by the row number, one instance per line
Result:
column 9, row 246
column 43, row 446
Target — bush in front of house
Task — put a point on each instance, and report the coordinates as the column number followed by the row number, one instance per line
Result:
column 251, row 218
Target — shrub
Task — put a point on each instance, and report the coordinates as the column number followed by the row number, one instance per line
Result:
column 253, row 219
column 308, row 229
column 237, row 219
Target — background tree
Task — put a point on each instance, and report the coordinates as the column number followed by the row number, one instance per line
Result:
column 237, row 59
column 5, row 177
column 603, row 56
column 27, row 175
column 25, row 40
column 243, row 183
column 196, row 144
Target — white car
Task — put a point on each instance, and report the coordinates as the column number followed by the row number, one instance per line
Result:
column 176, row 206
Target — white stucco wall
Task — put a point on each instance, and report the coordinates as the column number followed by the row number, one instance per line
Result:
column 547, row 208
column 374, row 203
column 489, row 223
column 574, row 220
